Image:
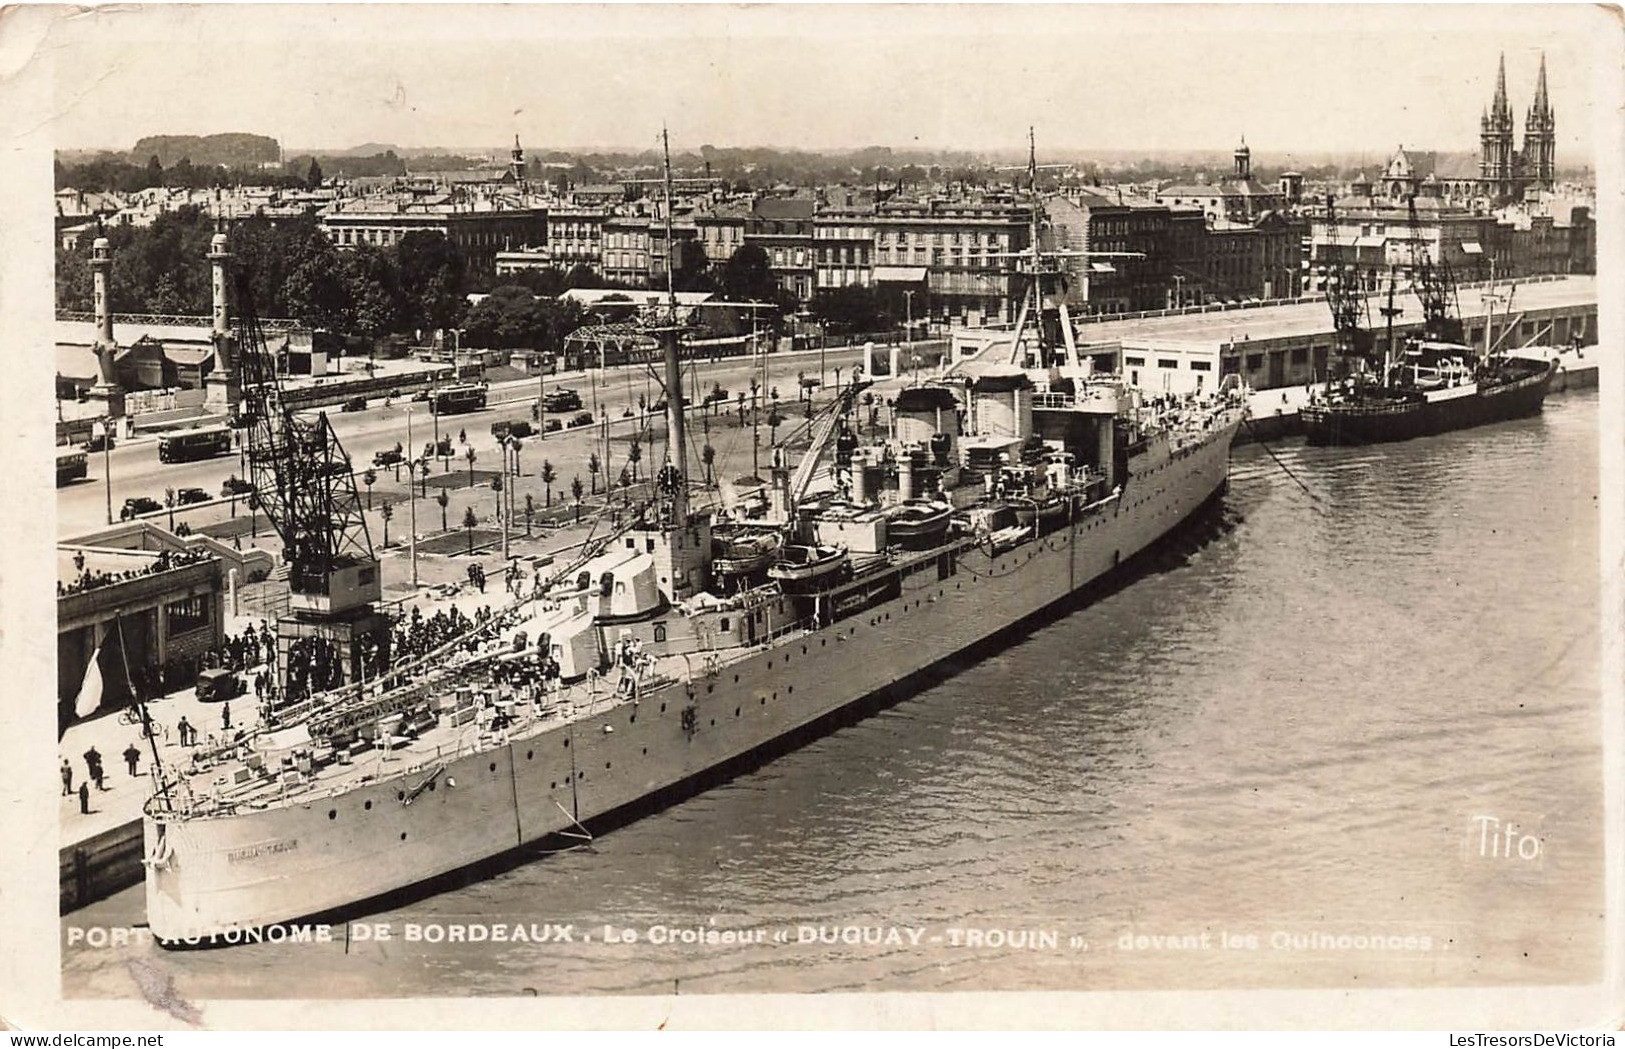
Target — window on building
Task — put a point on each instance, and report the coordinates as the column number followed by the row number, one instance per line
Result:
column 1134, row 362
column 188, row 614
column 1167, row 362
column 1201, row 366
column 1254, row 361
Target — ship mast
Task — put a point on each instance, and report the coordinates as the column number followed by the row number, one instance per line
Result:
column 676, row 472
column 1389, row 312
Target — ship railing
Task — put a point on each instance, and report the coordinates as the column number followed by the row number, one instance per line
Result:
column 799, row 626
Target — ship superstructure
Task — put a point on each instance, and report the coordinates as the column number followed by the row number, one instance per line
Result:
column 697, row 635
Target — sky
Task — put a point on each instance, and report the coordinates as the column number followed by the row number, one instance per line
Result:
column 1292, row 80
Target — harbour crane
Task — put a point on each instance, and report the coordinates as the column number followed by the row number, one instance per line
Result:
column 304, row 482
column 1350, row 311
column 1441, row 319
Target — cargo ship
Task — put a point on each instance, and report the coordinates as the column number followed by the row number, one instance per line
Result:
column 696, row 635
column 1433, row 383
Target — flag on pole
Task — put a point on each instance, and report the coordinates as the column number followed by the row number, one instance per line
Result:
column 90, row 691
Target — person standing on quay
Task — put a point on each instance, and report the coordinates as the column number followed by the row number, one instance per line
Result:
column 67, row 779
column 132, row 756
column 225, row 717
column 93, row 764
column 84, row 798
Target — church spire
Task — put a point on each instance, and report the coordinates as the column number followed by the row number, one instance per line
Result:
column 1499, row 106
column 1542, row 107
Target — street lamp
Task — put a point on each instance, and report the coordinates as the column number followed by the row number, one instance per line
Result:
column 411, row 500
column 908, row 305
column 104, row 434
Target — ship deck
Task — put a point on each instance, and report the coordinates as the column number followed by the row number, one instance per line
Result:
column 483, row 690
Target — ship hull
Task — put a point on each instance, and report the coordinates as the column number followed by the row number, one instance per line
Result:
column 1375, row 423
column 211, row 878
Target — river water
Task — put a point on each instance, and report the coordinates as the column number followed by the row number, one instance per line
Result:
column 1287, row 756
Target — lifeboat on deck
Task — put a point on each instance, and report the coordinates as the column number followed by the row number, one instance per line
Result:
column 1048, row 511
column 803, row 568
column 743, row 553
column 919, row 524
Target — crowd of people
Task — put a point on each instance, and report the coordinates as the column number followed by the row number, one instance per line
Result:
column 95, row 579
column 414, row 635
column 248, row 649
column 314, row 665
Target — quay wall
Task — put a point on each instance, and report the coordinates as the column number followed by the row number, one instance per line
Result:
column 99, row 866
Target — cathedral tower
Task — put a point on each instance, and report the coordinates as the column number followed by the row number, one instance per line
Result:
column 1497, row 164
column 1540, row 137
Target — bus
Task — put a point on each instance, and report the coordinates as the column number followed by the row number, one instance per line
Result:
column 204, row 443
column 460, row 397
column 70, row 466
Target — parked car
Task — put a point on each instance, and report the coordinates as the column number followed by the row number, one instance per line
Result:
column 354, row 404
column 660, row 405
column 584, row 419
column 421, row 395
column 553, row 426
column 216, row 685
column 717, row 394
column 519, row 428
column 99, row 442
column 188, row 496
column 138, row 505
column 562, row 399
column 388, row 457
column 235, row 485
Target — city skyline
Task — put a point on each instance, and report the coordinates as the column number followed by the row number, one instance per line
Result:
column 968, row 78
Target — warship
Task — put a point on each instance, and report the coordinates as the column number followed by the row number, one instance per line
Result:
column 696, row 636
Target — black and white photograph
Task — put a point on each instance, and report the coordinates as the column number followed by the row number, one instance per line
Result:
column 705, row 515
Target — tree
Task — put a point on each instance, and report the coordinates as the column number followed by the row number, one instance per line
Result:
column 634, row 455
column 443, row 497
column 708, row 455
column 850, row 309
column 169, row 493
column 372, row 281
column 593, row 466
column 747, row 276
column 386, row 512
column 530, row 511
column 432, row 275
column 469, row 521
column 369, row 479
column 692, row 270
column 548, row 476
column 469, row 454
column 576, row 488
column 583, row 276
column 313, row 175
column 774, row 421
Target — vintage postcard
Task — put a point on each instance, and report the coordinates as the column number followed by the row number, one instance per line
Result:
column 813, row 516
